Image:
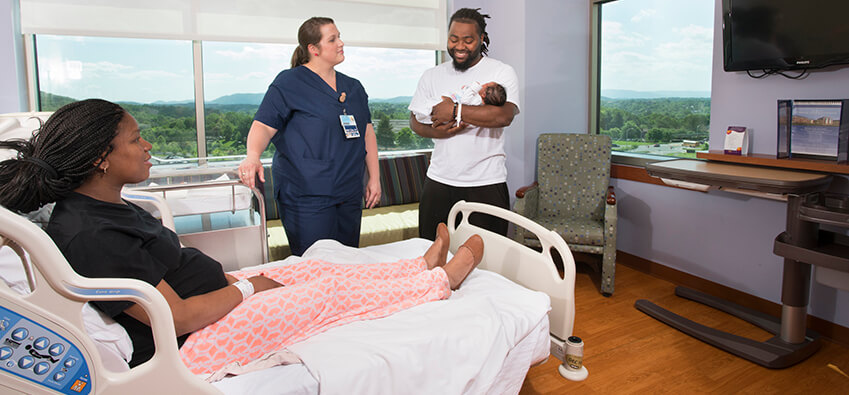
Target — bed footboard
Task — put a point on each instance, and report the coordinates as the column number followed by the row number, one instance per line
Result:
column 527, row 267
column 522, row 265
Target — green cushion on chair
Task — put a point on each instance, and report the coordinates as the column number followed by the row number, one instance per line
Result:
column 576, row 231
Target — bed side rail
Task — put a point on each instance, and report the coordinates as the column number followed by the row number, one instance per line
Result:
column 55, row 305
column 232, row 248
column 137, row 196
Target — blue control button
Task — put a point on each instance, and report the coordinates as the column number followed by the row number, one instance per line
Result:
column 20, row 334
column 41, row 368
column 56, row 349
column 5, row 353
column 59, row 376
column 26, row 362
column 69, row 363
column 4, row 324
column 41, row 343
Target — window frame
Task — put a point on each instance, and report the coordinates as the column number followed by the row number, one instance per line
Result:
column 620, row 158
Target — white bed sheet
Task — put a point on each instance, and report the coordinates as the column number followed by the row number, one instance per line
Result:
column 484, row 338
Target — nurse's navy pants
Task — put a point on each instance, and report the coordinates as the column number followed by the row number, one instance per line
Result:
column 319, row 218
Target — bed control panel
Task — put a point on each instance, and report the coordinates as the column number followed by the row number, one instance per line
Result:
column 32, row 352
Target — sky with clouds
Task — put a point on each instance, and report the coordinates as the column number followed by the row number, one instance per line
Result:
column 146, row 71
column 657, row 45
column 647, row 45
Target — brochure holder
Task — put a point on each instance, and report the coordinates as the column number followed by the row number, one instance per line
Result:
column 737, row 140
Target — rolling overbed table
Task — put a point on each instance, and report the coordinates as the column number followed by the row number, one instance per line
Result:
column 802, row 244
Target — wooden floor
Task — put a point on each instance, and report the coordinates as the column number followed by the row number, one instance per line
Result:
column 627, row 351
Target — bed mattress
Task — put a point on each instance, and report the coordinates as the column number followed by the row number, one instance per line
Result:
column 481, row 340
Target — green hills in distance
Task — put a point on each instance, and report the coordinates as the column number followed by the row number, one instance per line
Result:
column 171, row 125
column 51, row 101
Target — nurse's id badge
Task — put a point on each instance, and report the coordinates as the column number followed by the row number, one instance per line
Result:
column 349, row 126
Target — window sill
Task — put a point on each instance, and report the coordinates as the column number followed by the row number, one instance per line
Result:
column 632, row 167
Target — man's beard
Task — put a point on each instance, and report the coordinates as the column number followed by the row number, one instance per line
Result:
column 473, row 57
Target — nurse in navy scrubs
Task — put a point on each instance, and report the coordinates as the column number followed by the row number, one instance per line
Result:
column 320, row 123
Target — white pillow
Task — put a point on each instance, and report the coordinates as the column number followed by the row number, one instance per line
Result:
column 110, row 337
column 19, row 126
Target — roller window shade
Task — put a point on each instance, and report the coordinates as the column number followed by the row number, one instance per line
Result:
column 414, row 24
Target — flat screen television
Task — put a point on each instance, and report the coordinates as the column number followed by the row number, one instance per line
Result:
column 784, row 34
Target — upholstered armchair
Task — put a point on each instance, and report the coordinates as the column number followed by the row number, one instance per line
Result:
column 572, row 197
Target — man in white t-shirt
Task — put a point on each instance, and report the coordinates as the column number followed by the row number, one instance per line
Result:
column 468, row 161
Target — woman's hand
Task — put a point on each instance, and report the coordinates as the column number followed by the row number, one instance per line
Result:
column 373, row 192
column 258, row 138
column 262, row 283
column 249, row 169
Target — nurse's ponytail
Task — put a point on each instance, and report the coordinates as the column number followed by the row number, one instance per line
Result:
column 308, row 33
column 61, row 155
column 299, row 57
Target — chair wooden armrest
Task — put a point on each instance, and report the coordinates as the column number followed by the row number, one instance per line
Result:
column 611, row 196
column 520, row 193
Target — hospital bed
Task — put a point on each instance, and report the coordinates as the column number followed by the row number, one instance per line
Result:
column 506, row 317
column 481, row 340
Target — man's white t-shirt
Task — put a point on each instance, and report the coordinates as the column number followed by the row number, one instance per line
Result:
column 475, row 156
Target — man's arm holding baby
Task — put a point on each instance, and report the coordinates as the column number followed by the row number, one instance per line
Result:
column 485, row 115
column 435, row 130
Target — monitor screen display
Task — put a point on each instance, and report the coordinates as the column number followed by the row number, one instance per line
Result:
column 784, row 34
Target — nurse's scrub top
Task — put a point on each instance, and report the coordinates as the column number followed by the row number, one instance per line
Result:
column 314, row 158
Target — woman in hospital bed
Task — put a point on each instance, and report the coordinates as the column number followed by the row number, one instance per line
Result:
column 81, row 158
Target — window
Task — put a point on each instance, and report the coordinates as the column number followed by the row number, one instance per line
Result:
column 142, row 55
column 236, row 76
column 654, row 75
column 152, row 79
column 390, row 77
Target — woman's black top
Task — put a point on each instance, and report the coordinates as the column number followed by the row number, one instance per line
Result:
column 101, row 239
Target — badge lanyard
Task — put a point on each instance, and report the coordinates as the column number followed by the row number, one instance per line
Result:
column 349, row 125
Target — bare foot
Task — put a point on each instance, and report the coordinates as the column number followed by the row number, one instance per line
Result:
column 464, row 261
column 436, row 255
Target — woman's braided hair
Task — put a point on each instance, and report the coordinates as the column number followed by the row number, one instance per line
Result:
column 63, row 153
column 469, row 15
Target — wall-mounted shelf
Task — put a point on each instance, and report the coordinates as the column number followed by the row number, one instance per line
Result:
column 770, row 160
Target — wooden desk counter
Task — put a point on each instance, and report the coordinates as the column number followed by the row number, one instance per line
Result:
column 740, row 176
